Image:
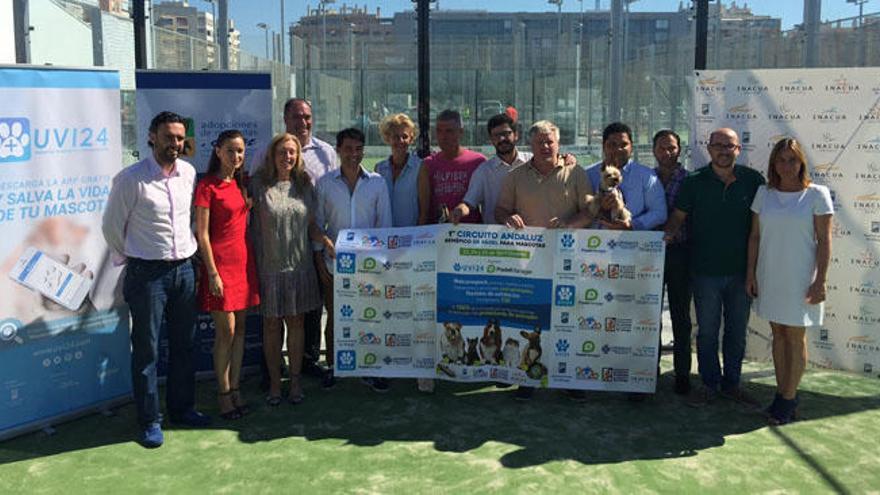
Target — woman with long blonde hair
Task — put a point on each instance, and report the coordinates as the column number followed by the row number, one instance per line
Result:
column 284, row 203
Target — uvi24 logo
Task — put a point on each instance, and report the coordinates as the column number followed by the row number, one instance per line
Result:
column 15, row 140
column 567, row 240
column 346, row 360
column 565, row 295
column 345, row 262
column 18, row 140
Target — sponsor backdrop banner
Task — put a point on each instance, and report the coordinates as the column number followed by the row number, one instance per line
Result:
column 212, row 102
column 64, row 334
column 835, row 114
column 547, row 308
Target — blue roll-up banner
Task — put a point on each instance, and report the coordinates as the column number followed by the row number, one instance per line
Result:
column 64, row 333
column 211, row 102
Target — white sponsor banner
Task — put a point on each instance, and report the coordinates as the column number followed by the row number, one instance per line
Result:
column 835, row 114
column 211, row 102
column 537, row 307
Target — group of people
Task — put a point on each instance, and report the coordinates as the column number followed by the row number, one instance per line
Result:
column 268, row 240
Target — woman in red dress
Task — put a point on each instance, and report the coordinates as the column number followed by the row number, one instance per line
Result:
column 228, row 284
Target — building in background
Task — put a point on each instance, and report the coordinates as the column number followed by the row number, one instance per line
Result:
column 186, row 38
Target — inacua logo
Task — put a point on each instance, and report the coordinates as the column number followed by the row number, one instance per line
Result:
column 15, row 140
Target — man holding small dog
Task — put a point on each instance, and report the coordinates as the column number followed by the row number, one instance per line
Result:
column 717, row 199
column 642, row 194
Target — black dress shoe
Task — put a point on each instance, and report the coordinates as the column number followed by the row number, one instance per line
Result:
column 524, row 393
column 682, row 385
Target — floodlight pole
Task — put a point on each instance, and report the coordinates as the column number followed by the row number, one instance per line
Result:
column 423, row 13
column 139, row 20
column 702, row 41
column 812, row 18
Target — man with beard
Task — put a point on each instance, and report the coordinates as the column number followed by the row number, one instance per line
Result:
column 486, row 181
column 147, row 226
column 717, row 199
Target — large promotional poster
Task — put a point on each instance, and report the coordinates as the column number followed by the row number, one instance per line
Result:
column 211, row 102
column 64, row 334
column 835, row 114
column 546, row 308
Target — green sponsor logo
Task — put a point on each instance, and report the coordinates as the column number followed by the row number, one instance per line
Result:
column 591, row 295
column 370, row 359
column 369, row 264
column 369, row 313
column 589, row 346
column 594, row 241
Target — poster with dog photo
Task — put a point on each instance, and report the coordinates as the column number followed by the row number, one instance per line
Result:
column 606, row 311
column 494, row 303
column 385, row 301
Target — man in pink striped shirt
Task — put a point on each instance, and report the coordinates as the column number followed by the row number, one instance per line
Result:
column 147, row 227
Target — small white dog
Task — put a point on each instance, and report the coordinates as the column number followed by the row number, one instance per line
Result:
column 611, row 178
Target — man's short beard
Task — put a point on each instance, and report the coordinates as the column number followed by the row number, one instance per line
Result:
column 499, row 148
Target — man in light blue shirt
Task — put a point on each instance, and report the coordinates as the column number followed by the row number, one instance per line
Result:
column 348, row 198
column 642, row 192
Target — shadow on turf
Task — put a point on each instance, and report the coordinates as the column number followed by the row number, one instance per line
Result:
column 462, row 417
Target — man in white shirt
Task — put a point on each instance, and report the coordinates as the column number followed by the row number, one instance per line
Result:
column 348, row 198
column 486, row 181
column 147, row 226
column 319, row 158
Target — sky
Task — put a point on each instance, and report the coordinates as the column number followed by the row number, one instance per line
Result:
column 247, row 13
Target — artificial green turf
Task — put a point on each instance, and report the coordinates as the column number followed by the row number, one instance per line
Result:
column 474, row 439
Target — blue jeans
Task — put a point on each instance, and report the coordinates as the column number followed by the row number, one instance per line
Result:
column 157, row 291
column 714, row 297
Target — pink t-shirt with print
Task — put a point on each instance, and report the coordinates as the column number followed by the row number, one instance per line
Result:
column 449, row 181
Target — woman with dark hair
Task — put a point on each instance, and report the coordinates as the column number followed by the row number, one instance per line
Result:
column 284, row 229
column 228, row 282
column 788, row 256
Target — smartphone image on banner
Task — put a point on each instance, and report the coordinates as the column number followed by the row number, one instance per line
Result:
column 37, row 271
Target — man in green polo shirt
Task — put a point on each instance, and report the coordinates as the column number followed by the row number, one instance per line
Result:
column 716, row 199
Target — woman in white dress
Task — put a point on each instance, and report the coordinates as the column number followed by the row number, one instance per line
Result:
column 789, row 251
